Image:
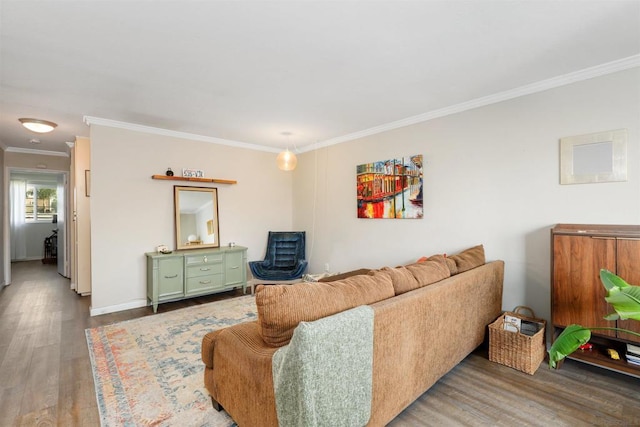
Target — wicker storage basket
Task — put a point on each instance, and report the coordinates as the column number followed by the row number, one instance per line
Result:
column 515, row 349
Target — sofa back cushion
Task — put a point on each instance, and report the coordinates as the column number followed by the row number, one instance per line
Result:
column 468, row 259
column 282, row 307
column 402, row 279
column 430, row 271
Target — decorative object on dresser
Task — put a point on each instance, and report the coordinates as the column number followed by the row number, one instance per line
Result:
column 579, row 253
column 186, row 274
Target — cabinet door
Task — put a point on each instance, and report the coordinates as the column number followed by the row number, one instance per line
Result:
column 628, row 263
column 234, row 268
column 170, row 278
column 577, row 294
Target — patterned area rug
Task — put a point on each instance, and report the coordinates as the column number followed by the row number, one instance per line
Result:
column 148, row 371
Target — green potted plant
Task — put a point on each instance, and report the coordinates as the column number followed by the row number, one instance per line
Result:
column 624, row 298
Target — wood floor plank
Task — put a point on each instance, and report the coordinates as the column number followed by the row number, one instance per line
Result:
column 10, row 400
column 42, row 380
column 45, row 417
column 15, row 364
column 46, row 378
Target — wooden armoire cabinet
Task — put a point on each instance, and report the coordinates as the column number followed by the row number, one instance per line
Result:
column 578, row 252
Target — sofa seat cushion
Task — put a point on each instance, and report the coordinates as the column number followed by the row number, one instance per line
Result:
column 282, row 307
column 468, row 259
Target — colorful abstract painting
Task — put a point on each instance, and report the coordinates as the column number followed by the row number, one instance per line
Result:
column 390, row 188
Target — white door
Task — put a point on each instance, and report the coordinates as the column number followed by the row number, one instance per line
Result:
column 63, row 247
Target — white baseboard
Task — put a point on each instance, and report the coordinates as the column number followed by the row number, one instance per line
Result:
column 32, row 258
column 118, row 307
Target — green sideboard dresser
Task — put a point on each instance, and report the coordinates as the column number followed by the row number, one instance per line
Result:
column 191, row 273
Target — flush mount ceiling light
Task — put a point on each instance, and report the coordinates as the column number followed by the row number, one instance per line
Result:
column 287, row 160
column 37, row 125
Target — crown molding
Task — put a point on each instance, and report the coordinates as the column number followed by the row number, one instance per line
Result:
column 554, row 82
column 578, row 76
column 40, row 152
column 174, row 134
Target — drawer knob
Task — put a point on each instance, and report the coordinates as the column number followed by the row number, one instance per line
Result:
column 205, row 282
column 204, row 269
column 204, row 259
column 171, row 277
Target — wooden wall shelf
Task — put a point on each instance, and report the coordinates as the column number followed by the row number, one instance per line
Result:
column 182, row 178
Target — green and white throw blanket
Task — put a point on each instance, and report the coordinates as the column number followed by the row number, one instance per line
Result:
column 323, row 377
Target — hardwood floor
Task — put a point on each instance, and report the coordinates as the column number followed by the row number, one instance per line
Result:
column 45, row 371
column 46, row 379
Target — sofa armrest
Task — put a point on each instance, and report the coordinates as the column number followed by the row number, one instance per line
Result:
column 208, row 343
column 238, row 367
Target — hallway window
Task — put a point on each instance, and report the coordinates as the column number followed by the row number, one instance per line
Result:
column 40, row 202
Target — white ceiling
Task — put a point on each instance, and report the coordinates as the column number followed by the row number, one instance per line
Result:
column 246, row 71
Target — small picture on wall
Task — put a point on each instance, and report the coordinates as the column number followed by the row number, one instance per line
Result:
column 390, row 188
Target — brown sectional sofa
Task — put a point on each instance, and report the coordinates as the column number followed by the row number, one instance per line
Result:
column 428, row 316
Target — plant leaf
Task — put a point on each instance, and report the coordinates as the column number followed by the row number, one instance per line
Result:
column 572, row 337
column 610, row 280
column 626, row 302
column 624, row 298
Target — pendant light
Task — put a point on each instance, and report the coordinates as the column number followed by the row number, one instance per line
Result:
column 287, row 160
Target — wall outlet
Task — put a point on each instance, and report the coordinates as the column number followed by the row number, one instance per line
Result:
column 326, row 267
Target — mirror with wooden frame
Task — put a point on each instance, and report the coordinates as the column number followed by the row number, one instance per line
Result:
column 196, row 211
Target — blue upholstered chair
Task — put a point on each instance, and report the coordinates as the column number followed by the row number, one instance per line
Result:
column 285, row 258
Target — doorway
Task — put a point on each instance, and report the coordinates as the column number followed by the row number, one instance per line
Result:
column 37, row 218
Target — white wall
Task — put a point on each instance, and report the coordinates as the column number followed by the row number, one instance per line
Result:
column 132, row 214
column 35, row 235
column 491, row 176
column 2, row 215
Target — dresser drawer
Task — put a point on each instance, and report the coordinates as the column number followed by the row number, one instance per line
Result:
column 204, row 284
column 202, row 259
column 204, row 269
